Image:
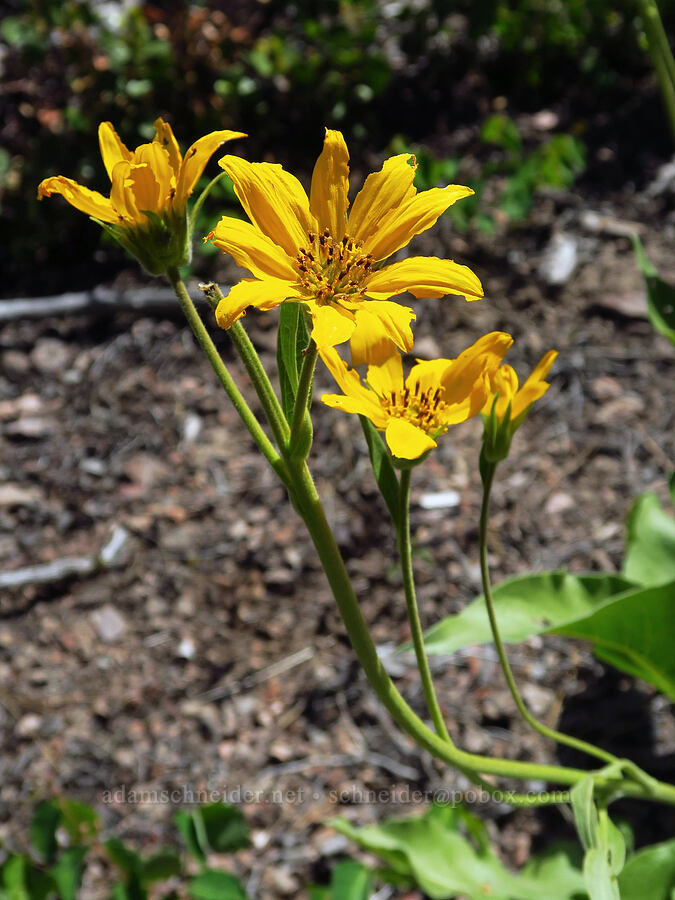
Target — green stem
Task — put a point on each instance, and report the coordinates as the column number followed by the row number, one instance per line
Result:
column 262, row 384
column 219, row 367
column 357, row 630
column 405, row 552
column 661, row 55
column 488, row 472
column 301, row 424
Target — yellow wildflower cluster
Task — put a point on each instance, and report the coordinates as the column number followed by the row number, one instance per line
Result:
column 316, row 251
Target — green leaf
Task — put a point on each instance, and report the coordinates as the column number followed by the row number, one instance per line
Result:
column 213, row 885
column 431, row 851
column 383, row 469
column 649, row 873
column 14, row 873
column 526, row 605
column 585, row 813
column 629, row 626
column 80, row 821
column 650, row 542
column 350, row 880
column 214, row 826
column 292, row 340
column 46, row 820
column 660, row 295
column 160, row 866
column 67, row 872
column 125, row 859
column 634, row 634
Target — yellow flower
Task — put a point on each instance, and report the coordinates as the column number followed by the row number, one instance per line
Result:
column 507, row 405
column 437, row 393
column 305, row 249
column 147, row 207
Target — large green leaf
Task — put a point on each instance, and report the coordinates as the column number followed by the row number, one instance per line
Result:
column 67, row 872
column 527, row 605
column 650, row 542
column 660, row 295
column 46, row 820
column 214, row 885
column 383, row 470
column 350, row 880
column 292, row 339
column 218, row 827
column 442, row 862
column 630, row 626
column 635, row 634
column 650, row 873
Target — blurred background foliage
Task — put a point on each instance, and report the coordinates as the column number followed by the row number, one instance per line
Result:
column 452, row 79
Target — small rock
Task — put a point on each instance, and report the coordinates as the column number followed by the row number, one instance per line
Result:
column 281, row 882
column 28, row 725
column 191, row 428
column 32, row 427
column 620, row 409
column 427, row 348
column 26, row 404
column 605, row 388
column 186, row 648
column 559, row 259
column 109, row 624
column 537, row 699
column 440, row 500
column 50, row 356
column 15, row 495
column 558, row 502
column 14, row 363
column 632, row 306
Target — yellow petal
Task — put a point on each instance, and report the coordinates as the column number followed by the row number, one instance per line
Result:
column 407, row 441
column 196, row 158
column 479, row 360
column 504, row 386
column 381, row 193
column 265, row 294
column 251, row 249
column 157, row 158
column 381, row 326
column 331, row 325
column 274, row 200
column 419, row 213
column 164, row 136
column 427, row 374
column 424, row 276
column 387, row 378
column 112, row 148
column 87, row 201
column 535, row 386
column 357, row 398
column 328, row 200
column 122, row 195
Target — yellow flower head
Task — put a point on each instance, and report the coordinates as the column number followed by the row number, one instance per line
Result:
column 507, row 405
column 415, row 411
column 306, row 249
column 147, row 207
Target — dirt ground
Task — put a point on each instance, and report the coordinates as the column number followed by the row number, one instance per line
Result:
column 211, row 656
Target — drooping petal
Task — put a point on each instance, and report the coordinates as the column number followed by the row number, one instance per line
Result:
column 196, row 158
column 82, row 198
column 480, row 359
column 328, row 199
column 165, row 137
column 419, row 213
column 331, row 325
column 388, row 377
column 504, row 387
column 381, row 193
column 112, row 148
column 274, row 200
column 381, row 326
column 427, row 374
column 251, row 249
column 535, row 386
column 157, row 159
column 407, row 441
column 424, row 276
column 264, row 294
column 357, row 398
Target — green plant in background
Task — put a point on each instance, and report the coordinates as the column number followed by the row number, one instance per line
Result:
column 510, row 174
